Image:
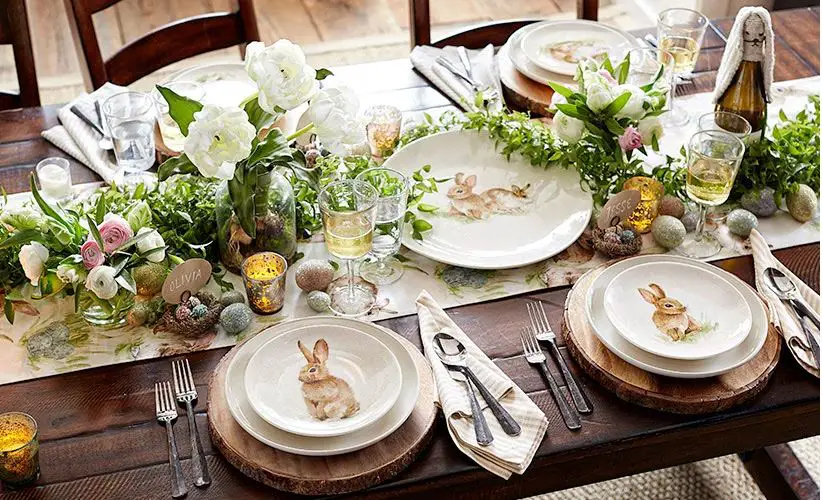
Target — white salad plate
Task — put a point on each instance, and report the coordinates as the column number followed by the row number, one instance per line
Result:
column 677, row 310
column 558, row 46
column 492, row 213
column 247, row 418
column 677, row 368
column 224, row 84
column 354, row 380
column 513, row 51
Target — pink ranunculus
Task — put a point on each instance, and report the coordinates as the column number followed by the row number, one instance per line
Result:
column 630, row 140
column 605, row 74
column 114, row 231
column 91, row 254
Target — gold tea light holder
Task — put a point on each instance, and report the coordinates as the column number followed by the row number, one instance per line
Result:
column 19, row 450
column 383, row 129
column 651, row 192
column 264, row 279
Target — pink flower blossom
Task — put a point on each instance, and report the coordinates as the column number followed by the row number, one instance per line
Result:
column 91, row 254
column 605, row 74
column 630, row 140
column 114, row 231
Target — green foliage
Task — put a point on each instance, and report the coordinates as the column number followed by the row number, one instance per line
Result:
column 180, row 108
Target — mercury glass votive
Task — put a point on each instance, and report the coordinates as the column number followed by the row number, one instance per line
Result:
column 383, row 129
column 264, row 280
column 651, row 192
column 19, row 450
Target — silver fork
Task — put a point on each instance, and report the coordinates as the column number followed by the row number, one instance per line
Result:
column 535, row 356
column 544, row 333
column 166, row 414
column 187, row 393
column 488, row 93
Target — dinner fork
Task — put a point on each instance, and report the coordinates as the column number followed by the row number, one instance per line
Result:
column 544, row 333
column 535, row 356
column 488, row 93
column 186, row 394
column 167, row 414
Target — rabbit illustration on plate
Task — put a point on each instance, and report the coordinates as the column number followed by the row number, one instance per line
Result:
column 670, row 316
column 325, row 395
column 480, row 206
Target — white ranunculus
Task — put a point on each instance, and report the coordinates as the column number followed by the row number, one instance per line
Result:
column 334, row 111
column 557, row 98
column 33, row 258
column 100, row 281
column 150, row 242
column 650, row 127
column 71, row 273
column 569, row 129
column 217, row 139
column 284, row 79
column 598, row 98
column 633, row 108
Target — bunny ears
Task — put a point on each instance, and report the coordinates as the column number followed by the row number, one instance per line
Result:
column 469, row 181
column 654, row 294
column 320, row 354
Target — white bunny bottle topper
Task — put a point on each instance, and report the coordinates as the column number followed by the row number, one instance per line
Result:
column 751, row 39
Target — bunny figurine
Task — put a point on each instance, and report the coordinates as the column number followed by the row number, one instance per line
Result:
column 480, row 206
column 325, row 395
column 670, row 316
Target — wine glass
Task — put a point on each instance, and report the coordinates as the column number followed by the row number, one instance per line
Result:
column 652, row 66
column 680, row 32
column 392, row 189
column 714, row 157
column 349, row 209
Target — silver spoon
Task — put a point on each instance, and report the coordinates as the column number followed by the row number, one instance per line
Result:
column 105, row 142
column 785, row 289
column 456, row 359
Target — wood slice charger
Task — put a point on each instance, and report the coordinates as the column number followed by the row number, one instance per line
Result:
column 688, row 396
column 519, row 91
column 322, row 475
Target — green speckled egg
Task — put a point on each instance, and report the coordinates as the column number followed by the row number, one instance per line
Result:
column 232, row 297
column 318, row 301
column 741, row 222
column 802, row 203
column 759, row 202
column 689, row 220
column 235, row 318
column 668, row 231
column 199, row 311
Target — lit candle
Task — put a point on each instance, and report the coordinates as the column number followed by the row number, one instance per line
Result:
column 19, row 450
column 650, row 192
column 264, row 280
column 55, row 178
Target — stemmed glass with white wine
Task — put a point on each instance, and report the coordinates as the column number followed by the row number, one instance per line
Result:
column 714, row 157
column 348, row 209
column 680, row 32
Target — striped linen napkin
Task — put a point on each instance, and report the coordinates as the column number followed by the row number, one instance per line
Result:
column 506, row 454
column 781, row 314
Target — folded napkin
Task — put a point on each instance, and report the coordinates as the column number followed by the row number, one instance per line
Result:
column 506, row 454
column 483, row 66
column 781, row 314
column 79, row 139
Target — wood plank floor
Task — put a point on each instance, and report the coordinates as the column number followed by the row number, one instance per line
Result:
column 332, row 32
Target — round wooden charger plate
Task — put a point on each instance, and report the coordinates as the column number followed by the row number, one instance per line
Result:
column 690, row 396
column 520, row 91
column 322, row 475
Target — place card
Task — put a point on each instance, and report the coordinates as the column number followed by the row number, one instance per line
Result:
column 618, row 208
column 186, row 279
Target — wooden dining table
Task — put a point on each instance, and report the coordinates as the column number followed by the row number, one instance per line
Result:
column 99, row 438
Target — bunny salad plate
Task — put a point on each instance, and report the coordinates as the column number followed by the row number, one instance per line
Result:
column 492, row 213
column 325, row 381
column 677, row 310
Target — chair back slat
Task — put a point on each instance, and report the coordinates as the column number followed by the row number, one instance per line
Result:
column 14, row 30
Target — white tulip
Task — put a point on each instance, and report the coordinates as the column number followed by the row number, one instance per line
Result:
column 284, row 79
column 598, row 98
column 151, row 241
column 650, row 127
column 569, row 129
column 33, row 258
column 100, row 281
column 217, row 139
column 334, row 111
column 633, row 108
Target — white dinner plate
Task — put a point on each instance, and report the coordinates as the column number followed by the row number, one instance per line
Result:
column 513, row 51
column 247, row 418
column 677, row 310
column 558, row 46
column 677, row 368
column 224, row 84
column 492, row 213
column 322, row 380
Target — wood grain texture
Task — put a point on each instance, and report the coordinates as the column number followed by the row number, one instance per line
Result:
column 14, row 30
column 522, row 93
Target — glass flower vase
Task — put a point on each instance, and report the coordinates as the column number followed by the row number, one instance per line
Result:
column 102, row 313
column 274, row 222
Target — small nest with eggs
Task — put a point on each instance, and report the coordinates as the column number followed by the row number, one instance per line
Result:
column 611, row 241
column 190, row 326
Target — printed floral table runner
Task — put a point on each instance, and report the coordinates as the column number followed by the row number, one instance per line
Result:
column 52, row 342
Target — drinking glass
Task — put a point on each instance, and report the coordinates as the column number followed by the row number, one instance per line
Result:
column 170, row 131
column 652, row 66
column 19, row 450
column 349, row 209
column 130, row 118
column 54, row 175
column 383, row 129
column 392, row 192
column 714, row 157
column 680, row 32
column 728, row 122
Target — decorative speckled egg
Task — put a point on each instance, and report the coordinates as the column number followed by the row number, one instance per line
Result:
column 668, row 231
column 689, row 220
column 235, row 318
column 232, row 297
column 741, row 222
column 759, row 202
column 318, row 301
column 182, row 313
column 802, row 203
column 193, row 302
column 314, row 274
column 671, row 205
column 627, row 236
column 199, row 311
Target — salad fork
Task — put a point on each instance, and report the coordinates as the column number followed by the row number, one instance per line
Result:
column 544, row 333
column 186, row 394
column 167, row 414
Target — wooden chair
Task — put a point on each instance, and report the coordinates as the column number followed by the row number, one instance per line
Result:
column 14, row 31
column 165, row 45
column 494, row 33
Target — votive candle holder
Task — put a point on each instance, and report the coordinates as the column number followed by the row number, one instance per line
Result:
column 19, row 450
column 54, row 175
column 264, row 279
column 651, row 192
column 383, row 129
